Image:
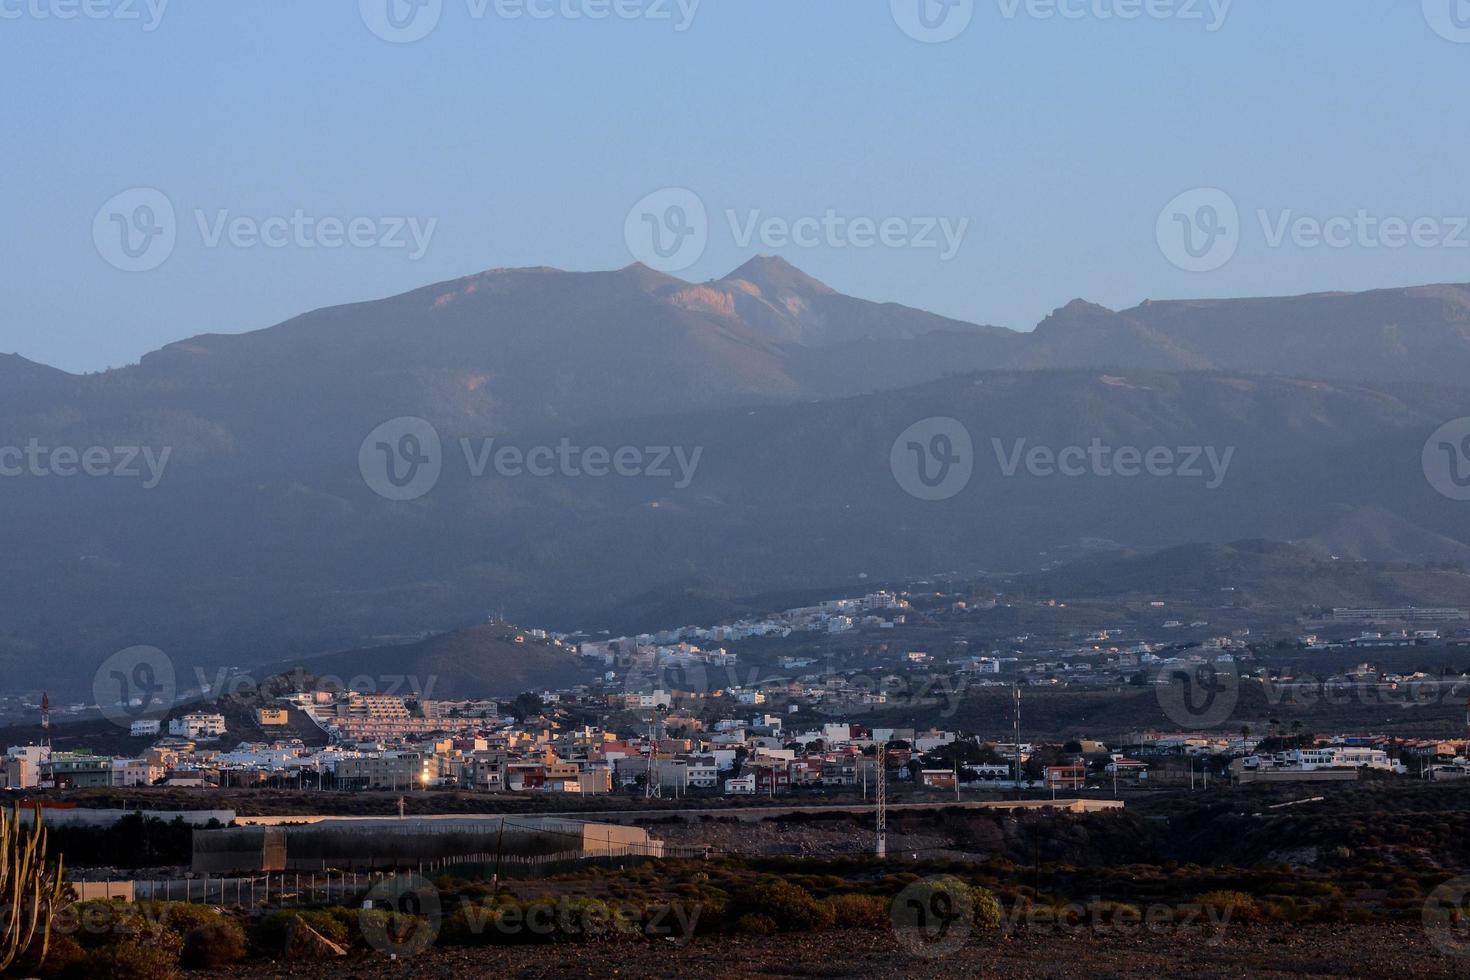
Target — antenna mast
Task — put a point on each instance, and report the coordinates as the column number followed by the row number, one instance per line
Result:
column 882, row 796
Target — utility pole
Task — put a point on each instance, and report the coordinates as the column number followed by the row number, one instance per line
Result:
column 1018, row 739
column 882, row 796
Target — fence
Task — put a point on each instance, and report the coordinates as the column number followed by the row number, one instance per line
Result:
column 291, row 889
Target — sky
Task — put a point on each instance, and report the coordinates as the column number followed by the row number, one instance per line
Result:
column 177, row 167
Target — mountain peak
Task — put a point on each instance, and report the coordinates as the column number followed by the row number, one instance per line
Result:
column 774, row 274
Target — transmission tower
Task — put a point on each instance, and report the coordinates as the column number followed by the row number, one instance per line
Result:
column 882, row 796
column 653, row 778
column 1018, row 740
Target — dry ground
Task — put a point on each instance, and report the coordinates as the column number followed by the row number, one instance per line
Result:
column 1268, row 952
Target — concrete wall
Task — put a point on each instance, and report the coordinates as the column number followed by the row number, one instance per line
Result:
column 89, row 890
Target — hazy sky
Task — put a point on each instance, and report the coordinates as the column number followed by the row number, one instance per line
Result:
column 510, row 141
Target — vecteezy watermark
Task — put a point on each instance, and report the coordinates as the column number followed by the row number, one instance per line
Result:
column 933, row 459
column 245, row 689
column 406, row 21
column 845, row 694
column 572, row 919
column 1198, row 695
column 403, row 458
column 1306, row 690
column 145, row 463
column 1362, row 230
column 1201, row 230
column 401, row 915
column 148, row 13
column 138, row 230
column 1101, row 918
column 1212, row 14
column 1450, row 19
column 1098, row 459
column 933, row 21
column 1446, row 917
column 1446, row 459
column 134, row 683
column 670, row 230
column 933, row 918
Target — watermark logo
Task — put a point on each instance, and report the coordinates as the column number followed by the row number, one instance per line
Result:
column 401, row 21
column 1211, row 13
column 134, row 683
column 121, row 462
column 933, row 21
column 1199, row 231
column 1446, row 917
column 933, row 918
column 149, row 13
column 401, row 915
column 671, row 229
column 933, row 459
column 1209, row 464
column 1446, row 459
column 831, row 229
column 136, row 230
column 845, row 695
column 668, row 230
column 1362, row 229
column 1198, row 695
column 401, row 459
column 1450, row 19
column 652, row 673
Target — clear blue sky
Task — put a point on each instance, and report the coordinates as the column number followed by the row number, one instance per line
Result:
column 529, row 140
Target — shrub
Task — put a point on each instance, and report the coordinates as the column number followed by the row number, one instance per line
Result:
column 755, row 924
column 398, row 931
column 213, row 944
column 154, row 956
column 1235, row 907
column 270, row 935
column 62, row 955
column 987, row 908
column 790, row 906
column 859, row 911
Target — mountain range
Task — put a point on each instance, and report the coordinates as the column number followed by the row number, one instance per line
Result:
column 262, row 541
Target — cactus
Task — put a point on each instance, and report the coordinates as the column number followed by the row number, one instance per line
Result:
column 33, row 892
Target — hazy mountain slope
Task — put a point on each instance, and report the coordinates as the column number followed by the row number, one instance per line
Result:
column 251, row 567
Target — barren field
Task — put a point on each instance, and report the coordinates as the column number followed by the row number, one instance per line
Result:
column 1335, row 951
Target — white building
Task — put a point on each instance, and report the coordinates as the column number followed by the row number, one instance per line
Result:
column 198, row 725
column 144, row 727
column 135, row 772
column 740, row 786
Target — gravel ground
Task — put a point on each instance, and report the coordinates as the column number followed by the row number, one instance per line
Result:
column 1333, row 951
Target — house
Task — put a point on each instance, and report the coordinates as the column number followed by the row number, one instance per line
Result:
column 1065, row 777
column 937, row 778
column 267, row 717
column 703, row 773
column 135, row 772
column 144, row 727
column 198, row 724
column 740, row 785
